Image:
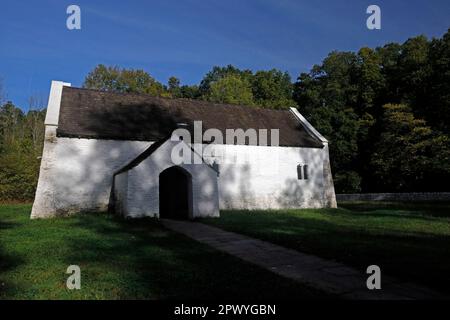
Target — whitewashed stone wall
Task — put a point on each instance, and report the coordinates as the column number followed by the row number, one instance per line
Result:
column 257, row 177
column 76, row 174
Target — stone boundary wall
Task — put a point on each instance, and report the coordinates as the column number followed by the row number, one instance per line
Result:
column 411, row 196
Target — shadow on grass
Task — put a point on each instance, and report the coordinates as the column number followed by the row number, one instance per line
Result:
column 123, row 259
column 7, row 262
column 140, row 259
column 418, row 253
column 434, row 209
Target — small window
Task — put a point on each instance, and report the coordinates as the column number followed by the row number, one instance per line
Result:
column 299, row 172
column 305, row 172
column 302, row 172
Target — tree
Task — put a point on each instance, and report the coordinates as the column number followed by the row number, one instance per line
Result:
column 21, row 143
column 230, row 89
column 409, row 155
column 370, row 80
column 272, row 89
column 389, row 66
column 344, row 98
column 34, row 121
column 11, row 118
column 218, row 73
column 102, row 78
column 2, row 93
column 123, row 80
column 173, row 85
column 190, row 92
column 327, row 96
column 269, row 89
column 437, row 107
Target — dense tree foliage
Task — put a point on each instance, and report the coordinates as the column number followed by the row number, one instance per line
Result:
column 230, row 89
column 21, row 143
column 385, row 111
column 270, row 89
column 123, row 80
column 409, row 156
column 351, row 99
column 218, row 73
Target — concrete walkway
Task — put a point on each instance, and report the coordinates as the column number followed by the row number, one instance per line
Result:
column 329, row 276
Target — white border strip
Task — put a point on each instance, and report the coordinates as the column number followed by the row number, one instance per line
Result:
column 308, row 125
column 54, row 102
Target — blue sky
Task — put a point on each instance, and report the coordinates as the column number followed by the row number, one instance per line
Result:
column 186, row 38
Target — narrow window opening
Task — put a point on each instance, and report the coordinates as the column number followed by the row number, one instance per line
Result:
column 305, row 172
column 299, row 172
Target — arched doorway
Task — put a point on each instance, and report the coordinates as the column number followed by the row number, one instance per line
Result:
column 175, row 193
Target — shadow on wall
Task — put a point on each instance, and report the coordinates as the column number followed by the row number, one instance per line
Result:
column 84, row 172
column 292, row 194
column 206, row 190
column 84, row 169
column 304, row 192
column 245, row 187
column 260, row 184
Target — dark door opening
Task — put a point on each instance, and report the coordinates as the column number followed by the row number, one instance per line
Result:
column 175, row 194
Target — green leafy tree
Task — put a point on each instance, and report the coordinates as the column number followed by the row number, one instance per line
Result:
column 389, row 66
column 218, row 73
column 410, row 155
column 231, row 89
column 370, row 80
column 11, row 118
column 352, row 89
column 173, row 87
column 326, row 96
column 123, row 80
column 437, row 107
column 270, row 89
column 273, row 89
column 190, row 92
column 21, row 143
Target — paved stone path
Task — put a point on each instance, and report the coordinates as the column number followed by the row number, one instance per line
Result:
column 326, row 275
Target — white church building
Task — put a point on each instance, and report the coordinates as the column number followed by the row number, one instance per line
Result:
column 115, row 151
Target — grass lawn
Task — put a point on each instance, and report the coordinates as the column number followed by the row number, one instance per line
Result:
column 120, row 259
column 410, row 241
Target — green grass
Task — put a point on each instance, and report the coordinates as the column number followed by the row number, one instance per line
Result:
column 120, row 259
column 408, row 240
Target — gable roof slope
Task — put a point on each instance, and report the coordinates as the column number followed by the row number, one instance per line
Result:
column 93, row 114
